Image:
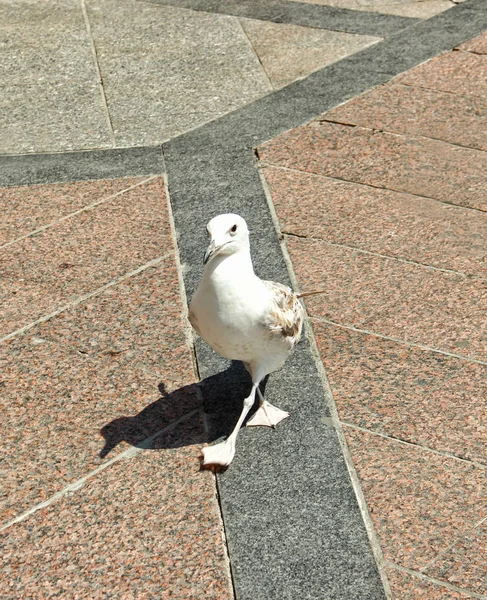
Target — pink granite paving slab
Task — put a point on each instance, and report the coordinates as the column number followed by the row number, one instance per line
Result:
column 44, row 272
column 64, row 412
column 401, row 300
column 417, row 111
column 478, row 45
column 423, row 397
column 377, row 220
column 462, row 73
column 408, row 587
column 26, row 208
column 139, row 322
column 148, row 527
column 419, row 501
column 465, row 564
column 425, row 167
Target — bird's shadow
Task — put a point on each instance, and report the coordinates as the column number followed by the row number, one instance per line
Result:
column 193, row 414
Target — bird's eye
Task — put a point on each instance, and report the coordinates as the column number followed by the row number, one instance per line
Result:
column 234, row 229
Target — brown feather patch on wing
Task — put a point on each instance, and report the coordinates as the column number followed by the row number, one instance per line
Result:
column 286, row 317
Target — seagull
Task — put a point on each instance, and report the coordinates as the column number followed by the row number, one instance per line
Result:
column 243, row 317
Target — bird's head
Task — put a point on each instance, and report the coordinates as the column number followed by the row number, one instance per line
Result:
column 228, row 234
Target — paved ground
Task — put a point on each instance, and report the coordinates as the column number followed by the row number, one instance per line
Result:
column 352, row 135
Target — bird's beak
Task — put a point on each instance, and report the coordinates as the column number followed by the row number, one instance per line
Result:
column 209, row 252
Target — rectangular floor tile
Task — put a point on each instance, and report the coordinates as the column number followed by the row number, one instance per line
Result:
column 465, row 564
column 144, row 528
column 45, row 272
column 408, row 587
column 27, row 208
column 400, row 300
column 419, row 501
column 87, row 383
column 416, row 165
column 52, row 118
column 377, row 220
column 462, row 73
column 422, row 397
column 418, row 111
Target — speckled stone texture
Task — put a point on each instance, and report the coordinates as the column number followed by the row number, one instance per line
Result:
column 463, row 564
column 289, row 52
column 422, row 9
column 418, row 111
column 111, row 372
column 423, row 397
column 478, row 45
column 420, row 501
column 390, row 223
column 166, row 70
column 378, row 220
column 145, row 528
column 48, row 270
column 462, row 73
column 409, row 587
column 83, row 389
column 27, row 208
column 420, row 166
column 410, row 302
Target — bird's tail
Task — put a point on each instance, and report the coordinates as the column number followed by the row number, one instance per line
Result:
column 304, row 294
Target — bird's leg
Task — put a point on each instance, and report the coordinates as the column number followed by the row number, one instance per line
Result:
column 267, row 414
column 223, row 453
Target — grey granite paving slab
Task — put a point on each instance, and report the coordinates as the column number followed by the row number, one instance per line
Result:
column 290, row 52
column 166, row 71
column 55, row 116
column 80, row 166
column 47, row 60
column 306, row 15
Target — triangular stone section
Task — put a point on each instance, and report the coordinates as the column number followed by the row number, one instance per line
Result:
column 291, row 52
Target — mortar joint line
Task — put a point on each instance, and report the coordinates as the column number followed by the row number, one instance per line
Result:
column 191, row 343
column 131, row 452
column 399, row 341
column 434, row 581
column 86, row 208
column 355, row 481
column 152, row 263
column 99, row 74
column 458, row 537
column 386, row 256
column 264, row 164
column 414, row 445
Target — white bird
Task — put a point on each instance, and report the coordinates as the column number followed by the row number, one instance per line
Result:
column 243, row 318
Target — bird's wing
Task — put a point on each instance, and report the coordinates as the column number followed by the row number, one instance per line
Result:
column 285, row 315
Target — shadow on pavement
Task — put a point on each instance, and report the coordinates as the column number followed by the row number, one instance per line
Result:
column 219, row 398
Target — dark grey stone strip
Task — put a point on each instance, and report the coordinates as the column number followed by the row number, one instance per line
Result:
column 294, row 528
column 293, row 525
column 26, row 169
column 299, row 13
